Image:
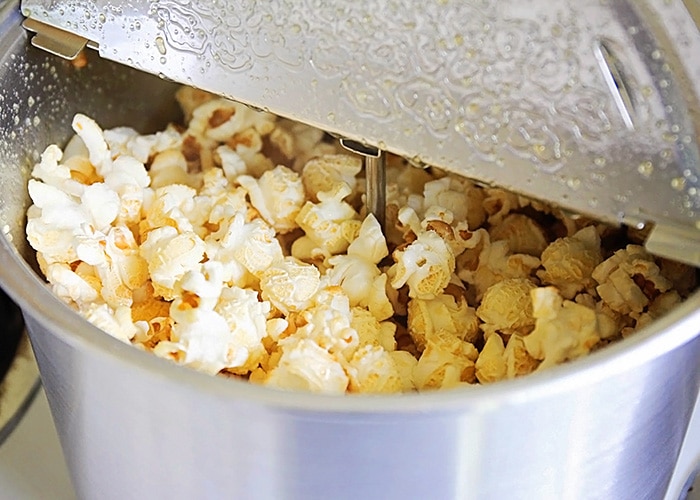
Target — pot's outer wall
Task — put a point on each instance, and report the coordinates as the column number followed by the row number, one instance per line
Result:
column 134, row 426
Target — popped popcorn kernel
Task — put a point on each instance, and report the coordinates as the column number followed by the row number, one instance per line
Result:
column 507, row 307
column 564, row 330
column 569, row 262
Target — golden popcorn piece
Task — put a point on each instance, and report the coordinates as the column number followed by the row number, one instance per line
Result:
column 523, row 234
column 507, row 307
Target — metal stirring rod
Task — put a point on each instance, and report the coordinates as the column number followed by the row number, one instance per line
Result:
column 375, row 177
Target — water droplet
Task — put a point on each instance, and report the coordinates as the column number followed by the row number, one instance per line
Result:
column 646, row 168
column 102, row 18
column 160, row 44
column 656, row 55
column 573, row 183
column 163, row 60
column 678, row 183
column 600, row 161
column 331, row 117
column 30, row 101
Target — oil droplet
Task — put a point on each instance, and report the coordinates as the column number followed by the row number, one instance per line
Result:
column 160, row 45
column 678, row 183
column 573, row 183
column 646, row 168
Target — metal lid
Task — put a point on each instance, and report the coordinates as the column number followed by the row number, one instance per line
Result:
column 589, row 105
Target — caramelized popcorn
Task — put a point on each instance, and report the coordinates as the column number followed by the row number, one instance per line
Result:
column 238, row 244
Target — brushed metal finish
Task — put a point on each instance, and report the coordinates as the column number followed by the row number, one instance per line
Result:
column 508, row 92
column 135, row 426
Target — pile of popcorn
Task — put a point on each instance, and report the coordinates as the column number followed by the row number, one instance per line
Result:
column 239, row 245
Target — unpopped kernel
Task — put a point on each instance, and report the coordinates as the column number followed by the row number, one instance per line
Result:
column 238, row 244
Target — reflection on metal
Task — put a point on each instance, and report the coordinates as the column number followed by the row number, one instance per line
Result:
column 615, row 79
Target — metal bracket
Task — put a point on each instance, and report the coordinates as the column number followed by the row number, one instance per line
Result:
column 55, row 40
column 375, row 177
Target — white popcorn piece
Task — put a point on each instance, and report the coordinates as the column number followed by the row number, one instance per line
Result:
column 491, row 364
column 405, row 363
column 487, row 263
column 523, row 234
column 444, row 313
column 324, row 173
column 445, row 362
column 125, row 141
column 564, row 330
column 278, row 195
column 459, row 196
column 426, row 266
column 506, row 307
column 231, row 162
column 93, row 138
column 371, row 331
column 331, row 223
column 252, row 244
column 328, row 324
column 116, row 322
column 357, row 272
column 70, row 286
column 170, row 255
column 628, row 279
column 49, row 170
column 305, row 366
column 219, row 119
column 290, row 284
column 372, row 370
column 569, row 262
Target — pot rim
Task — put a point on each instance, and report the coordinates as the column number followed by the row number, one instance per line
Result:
column 30, row 292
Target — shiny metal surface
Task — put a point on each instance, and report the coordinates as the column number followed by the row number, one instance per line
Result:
column 135, row 426
column 592, row 105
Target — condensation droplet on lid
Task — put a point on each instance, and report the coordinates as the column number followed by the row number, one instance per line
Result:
column 656, row 55
column 600, row 161
column 163, row 60
column 160, row 45
column 30, row 101
column 36, row 121
column 573, row 183
column 646, row 168
column 678, row 183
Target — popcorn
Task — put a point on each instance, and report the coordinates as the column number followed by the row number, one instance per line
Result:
column 507, row 308
column 522, row 233
column 305, row 366
column 170, row 255
column 324, row 173
column 329, row 225
column 239, row 245
column 444, row 313
column 425, row 265
column 491, row 364
column 278, row 195
column 564, row 330
column 569, row 262
column 290, row 284
column 357, row 272
column 629, row 279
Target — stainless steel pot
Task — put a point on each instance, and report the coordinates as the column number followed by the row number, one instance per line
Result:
column 134, row 426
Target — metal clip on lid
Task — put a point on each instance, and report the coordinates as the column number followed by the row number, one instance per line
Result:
column 592, row 106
